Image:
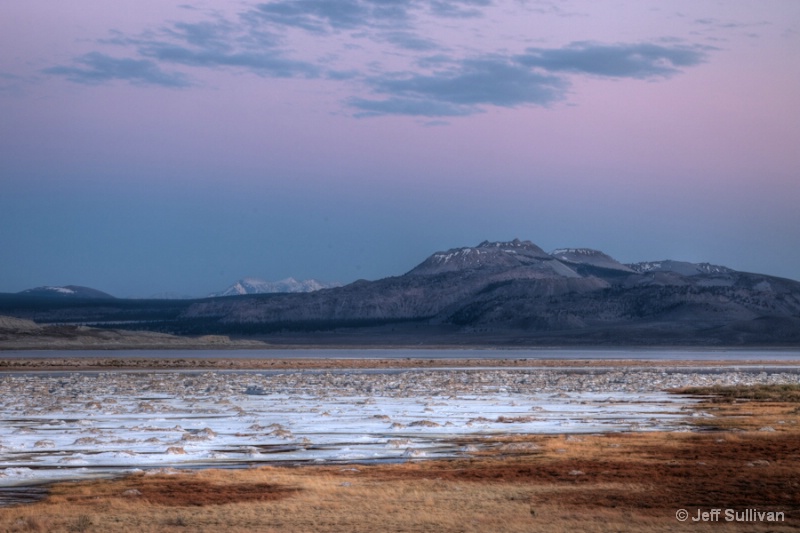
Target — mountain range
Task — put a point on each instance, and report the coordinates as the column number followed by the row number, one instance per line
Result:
column 243, row 286
column 499, row 293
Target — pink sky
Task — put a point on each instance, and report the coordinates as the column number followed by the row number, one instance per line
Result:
column 149, row 147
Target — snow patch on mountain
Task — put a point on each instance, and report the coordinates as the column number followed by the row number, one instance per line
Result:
column 260, row 286
column 495, row 256
column 588, row 256
column 70, row 291
column 683, row 268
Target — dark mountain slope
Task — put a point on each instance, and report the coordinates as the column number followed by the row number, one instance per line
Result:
column 496, row 293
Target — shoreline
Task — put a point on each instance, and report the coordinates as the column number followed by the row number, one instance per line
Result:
column 105, row 363
column 184, row 343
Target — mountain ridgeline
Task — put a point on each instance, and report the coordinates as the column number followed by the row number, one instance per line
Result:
column 496, row 293
column 515, row 292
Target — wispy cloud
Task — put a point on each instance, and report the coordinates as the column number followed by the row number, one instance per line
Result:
column 220, row 43
column 729, row 25
column 416, row 107
column 211, row 44
column 640, row 60
column 411, row 41
column 713, row 28
column 439, row 81
column 537, row 77
column 459, row 9
column 96, row 68
column 269, row 62
column 473, row 83
column 321, row 16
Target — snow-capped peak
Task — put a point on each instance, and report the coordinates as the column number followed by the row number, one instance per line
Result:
column 497, row 256
column 252, row 285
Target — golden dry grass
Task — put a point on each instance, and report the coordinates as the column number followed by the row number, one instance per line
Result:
column 787, row 393
column 627, row 482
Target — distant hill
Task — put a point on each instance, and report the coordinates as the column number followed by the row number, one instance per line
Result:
column 67, row 291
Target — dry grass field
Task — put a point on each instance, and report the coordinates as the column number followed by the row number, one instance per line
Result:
column 747, row 456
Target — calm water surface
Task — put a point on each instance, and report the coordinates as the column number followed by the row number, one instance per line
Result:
column 637, row 354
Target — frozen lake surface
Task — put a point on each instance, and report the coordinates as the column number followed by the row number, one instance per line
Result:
column 71, row 425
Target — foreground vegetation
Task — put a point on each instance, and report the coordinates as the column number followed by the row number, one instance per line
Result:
column 763, row 393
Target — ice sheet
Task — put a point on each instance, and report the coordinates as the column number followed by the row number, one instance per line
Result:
column 75, row 425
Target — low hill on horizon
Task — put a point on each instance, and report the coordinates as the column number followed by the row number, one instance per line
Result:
column 66, row 291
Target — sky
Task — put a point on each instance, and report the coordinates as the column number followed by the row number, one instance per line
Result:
column 159, row 146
